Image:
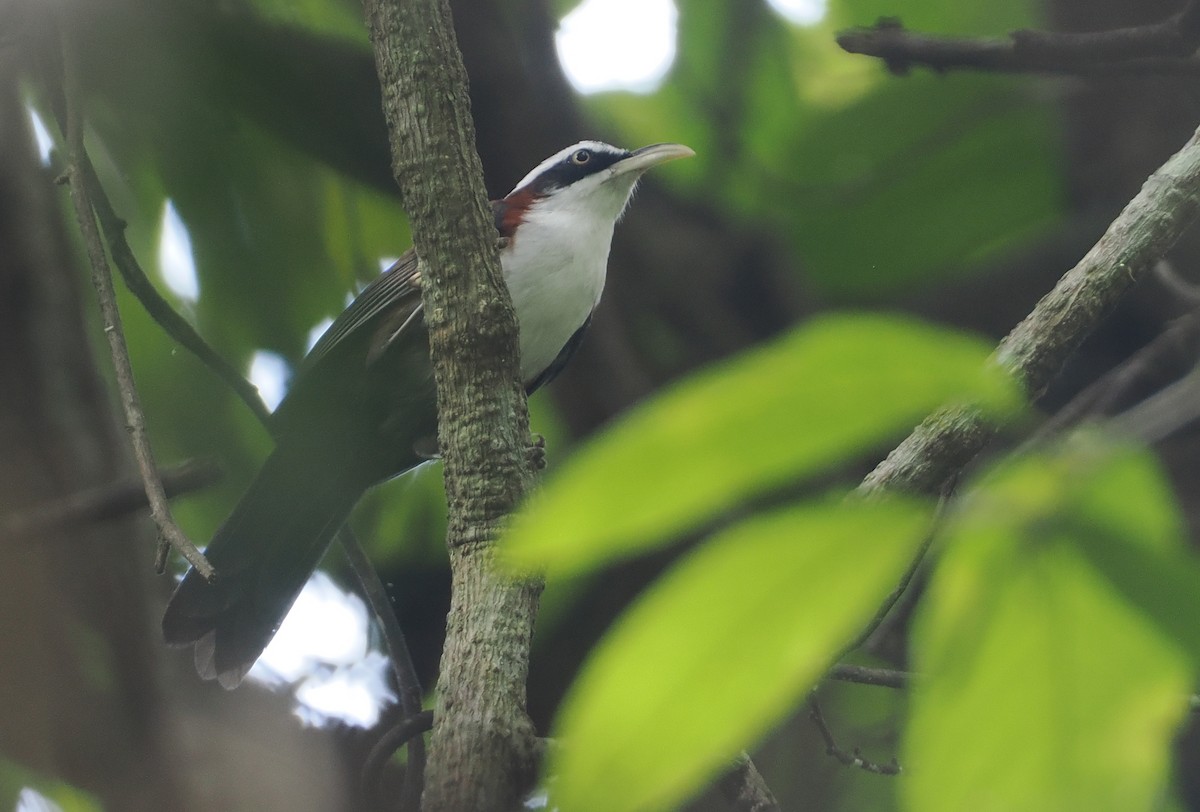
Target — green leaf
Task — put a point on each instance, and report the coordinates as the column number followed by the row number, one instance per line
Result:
column 1051, row 641
column 19, row 783
column 836, row 387
column 722, row 646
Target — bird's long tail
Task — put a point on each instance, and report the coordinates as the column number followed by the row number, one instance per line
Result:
column 263, row 554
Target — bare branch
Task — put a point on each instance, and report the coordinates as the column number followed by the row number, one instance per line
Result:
column 173, row 324
column 1164, row 47
column 108, row 501
column 1100, row 395
column 135, row 420
column 879, row 626
column 1163, row 413
column 408, row 685
column 861, row 674
column 853, row 758
column 407, row 731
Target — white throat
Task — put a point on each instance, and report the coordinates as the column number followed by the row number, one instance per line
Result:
column 555, row 268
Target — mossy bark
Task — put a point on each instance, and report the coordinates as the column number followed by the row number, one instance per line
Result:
column 482, row 752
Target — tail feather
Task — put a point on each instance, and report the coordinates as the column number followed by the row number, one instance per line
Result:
column 263, row 554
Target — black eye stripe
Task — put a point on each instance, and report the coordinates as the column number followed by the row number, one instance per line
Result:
column 569, row 170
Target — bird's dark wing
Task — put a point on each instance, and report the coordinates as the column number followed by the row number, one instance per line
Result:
column 352, row 371
column 396, row 290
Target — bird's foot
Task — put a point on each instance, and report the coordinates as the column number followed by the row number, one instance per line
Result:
column 535, row 452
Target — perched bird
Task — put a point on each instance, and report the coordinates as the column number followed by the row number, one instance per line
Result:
column 362, row 407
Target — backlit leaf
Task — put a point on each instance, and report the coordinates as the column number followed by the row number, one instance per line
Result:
column 836, row 387
column 1052, row 677
column 722, row 646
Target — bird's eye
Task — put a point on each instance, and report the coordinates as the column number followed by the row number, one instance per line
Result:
column 581, row 157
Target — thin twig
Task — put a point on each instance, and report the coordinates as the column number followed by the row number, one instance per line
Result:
column 173, row 324
column 108, row 501
column 408, row 686
column 1164, row 47
column 407, row 731
column 1163, row 413
column 853, row 758
column 861, row 674
column 1186, row 291
column 1096, row 398
column 135, row 420
column 744, row 788
column 869, row 635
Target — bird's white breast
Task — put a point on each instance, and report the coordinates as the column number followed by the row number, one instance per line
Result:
column 555, row 268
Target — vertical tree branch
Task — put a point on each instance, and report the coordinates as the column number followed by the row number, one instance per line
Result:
column 482, row 753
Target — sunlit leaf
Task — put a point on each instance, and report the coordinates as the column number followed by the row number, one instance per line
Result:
column 721, row 647
column 1051, row 676
column 833, row 388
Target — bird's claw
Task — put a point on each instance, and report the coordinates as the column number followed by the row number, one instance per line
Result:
column 535, row 452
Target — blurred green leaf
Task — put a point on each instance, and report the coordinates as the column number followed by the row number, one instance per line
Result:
column 833, row 388
column 722, row 646
column 879, row 185
column 18, row 782
column 1052, row 674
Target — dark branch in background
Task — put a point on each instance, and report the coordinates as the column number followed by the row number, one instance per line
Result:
column 877, row 629
column 1036, row 350
column 1164, row 47
column 861, row 674
column 135, row 420
column 1099, row 396
column 407, row 731
column 744, row 788
column 1163, row 413
column 408, row 687
column 109, row 501
column 853, row 758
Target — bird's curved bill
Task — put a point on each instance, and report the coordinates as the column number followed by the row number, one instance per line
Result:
column 642, row 159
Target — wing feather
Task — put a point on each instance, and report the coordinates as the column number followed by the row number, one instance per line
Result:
column 387, row 292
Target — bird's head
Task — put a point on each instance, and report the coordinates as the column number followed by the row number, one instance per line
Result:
column 590, row 180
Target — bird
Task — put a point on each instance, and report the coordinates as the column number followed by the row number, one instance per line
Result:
column 362, row 405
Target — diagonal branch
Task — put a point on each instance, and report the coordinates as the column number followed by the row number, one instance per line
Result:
column 1038, row 348
column 135, row 420
column 173, row 324
column 108, row 501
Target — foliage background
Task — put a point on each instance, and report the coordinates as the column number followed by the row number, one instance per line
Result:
column 821, row 183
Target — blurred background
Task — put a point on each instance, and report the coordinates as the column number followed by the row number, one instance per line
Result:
column 243, row 143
